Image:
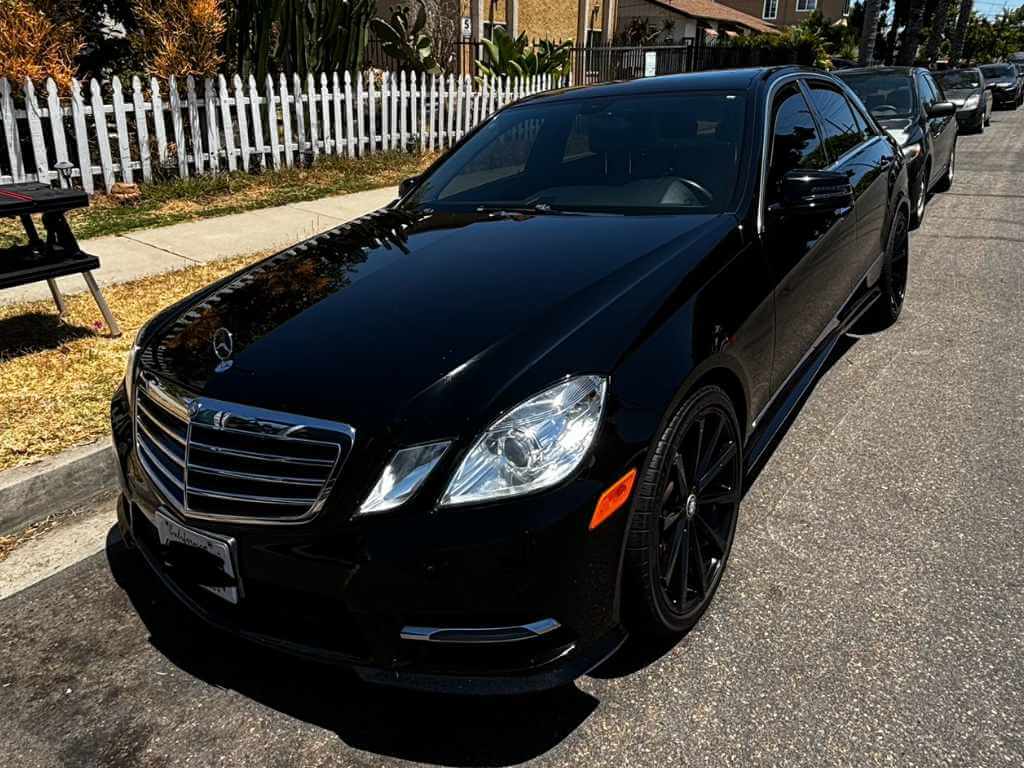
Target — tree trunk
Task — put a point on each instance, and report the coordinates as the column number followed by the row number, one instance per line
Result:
column 912, row 34
column 868, row 33
column 890, row 41
column 939, row 23
column 964, row 17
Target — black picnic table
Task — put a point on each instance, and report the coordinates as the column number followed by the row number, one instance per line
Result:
column 56, row 255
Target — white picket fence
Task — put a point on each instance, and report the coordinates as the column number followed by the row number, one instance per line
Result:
column 217, row 126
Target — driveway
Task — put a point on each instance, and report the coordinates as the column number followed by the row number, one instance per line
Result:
column 872, row 614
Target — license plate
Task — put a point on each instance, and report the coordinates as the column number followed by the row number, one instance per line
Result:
column 218, row 559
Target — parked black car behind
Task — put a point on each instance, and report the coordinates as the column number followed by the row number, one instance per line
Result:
column 1005, row 83
column 909, row 104
column 966, row 88
column 469, row 441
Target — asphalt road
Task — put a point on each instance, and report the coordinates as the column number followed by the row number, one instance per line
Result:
column 872, row 613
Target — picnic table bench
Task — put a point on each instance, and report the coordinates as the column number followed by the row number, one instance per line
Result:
column 58, row 254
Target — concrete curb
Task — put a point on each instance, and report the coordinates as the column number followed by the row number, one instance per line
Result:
column 29, row 494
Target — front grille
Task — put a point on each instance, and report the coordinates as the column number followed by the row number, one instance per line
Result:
column 224, row 461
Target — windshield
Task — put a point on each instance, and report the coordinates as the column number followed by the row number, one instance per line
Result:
column 957, row 80
column 885, row 95
column 999, row 72
column 656, row 153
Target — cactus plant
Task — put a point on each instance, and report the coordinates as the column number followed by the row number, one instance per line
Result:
column 515, row 57
column 403, row 38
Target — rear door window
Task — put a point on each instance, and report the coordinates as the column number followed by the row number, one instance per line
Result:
column 838, row 124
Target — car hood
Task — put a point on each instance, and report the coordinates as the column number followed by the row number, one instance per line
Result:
column 903, row 129
column 358, row 323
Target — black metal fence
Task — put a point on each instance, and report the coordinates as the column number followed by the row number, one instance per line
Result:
column 600, row 64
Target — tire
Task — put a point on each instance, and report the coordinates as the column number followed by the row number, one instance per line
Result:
column 947, row 178
column 685, row 514
column 988, row 119
column 919, row 198
column 893, row 282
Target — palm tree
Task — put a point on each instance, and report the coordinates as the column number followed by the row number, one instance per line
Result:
column 938, row 30
column 962, row 19
column 911, row 35
column 869, row 32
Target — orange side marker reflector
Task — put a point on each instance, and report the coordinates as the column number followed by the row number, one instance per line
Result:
column 613, row 498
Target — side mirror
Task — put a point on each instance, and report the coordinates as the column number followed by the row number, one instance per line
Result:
column 942, row 109
column 405, row 186
column 815, row 191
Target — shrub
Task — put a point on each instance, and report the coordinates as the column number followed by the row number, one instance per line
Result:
column 403, row 38
column 515, row 57
column 32, row 45
column 794, row 45
column 179, row 37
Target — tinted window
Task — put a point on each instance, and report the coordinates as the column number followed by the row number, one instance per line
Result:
column 677, row 153
column 999, row 72
column 795, row 140
column 885, row 95
column 959, row 79
column 839, row 126
column 928, row 91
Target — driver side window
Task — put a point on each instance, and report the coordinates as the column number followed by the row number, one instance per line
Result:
column 795, row 140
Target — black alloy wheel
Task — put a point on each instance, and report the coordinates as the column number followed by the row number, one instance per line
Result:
column 947, row 178
column 893, row 282
column 685, row 515
column 919, row 197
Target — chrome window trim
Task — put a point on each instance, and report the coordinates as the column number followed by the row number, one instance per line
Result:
column 799, row 78
column 244, row 419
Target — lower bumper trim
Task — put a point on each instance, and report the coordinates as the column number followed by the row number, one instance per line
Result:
column 474, row 635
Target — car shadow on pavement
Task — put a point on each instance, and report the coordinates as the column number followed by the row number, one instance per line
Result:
column 423, row 727
column 443, row 729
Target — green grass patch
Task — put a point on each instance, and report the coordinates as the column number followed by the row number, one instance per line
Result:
column 203, row 197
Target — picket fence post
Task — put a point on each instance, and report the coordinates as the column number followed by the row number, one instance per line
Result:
column 35, row 132
column 60, row 146
column 159, row 127
column 275, row 140
column 81, row 136
column 141, row 129
column 227, row 123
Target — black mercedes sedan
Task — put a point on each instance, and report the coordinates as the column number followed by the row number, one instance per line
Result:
column 966, row 88
column 469, row 442
column 1005, row 84
column 909, row 104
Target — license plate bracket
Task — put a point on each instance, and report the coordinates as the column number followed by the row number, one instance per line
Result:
column 208, row 558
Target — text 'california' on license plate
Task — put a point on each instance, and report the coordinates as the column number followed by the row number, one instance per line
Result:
column 217, row 562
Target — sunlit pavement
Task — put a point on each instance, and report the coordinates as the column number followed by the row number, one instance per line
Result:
column 872, row 613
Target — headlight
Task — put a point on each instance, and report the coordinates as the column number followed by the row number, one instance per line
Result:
column 536, row 445
column 911, row 151
column 972, row 102
column 405, row 473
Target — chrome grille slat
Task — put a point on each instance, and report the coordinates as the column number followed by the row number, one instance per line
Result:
column 224, row 461
column 259, row 456
column 170, row 432
column 252, row 476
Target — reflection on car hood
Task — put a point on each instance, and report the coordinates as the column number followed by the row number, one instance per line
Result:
column 959, row 95
column 899, row 129
column 356, row 323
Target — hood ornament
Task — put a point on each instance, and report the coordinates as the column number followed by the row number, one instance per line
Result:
column 223, row 348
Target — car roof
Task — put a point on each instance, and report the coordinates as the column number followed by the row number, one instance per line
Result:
column 908, row 71
column 722, row 79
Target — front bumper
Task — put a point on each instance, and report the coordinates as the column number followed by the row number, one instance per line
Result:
column 344, row 591
column 971, row 119
column 1001, row 97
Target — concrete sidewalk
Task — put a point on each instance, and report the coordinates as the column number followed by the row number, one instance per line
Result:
column 153, row 251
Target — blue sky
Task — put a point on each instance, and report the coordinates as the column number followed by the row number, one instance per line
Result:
column 993, row 8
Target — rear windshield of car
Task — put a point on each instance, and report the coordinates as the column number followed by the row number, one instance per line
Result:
column 959, row 79
column 999, row 71
column 677, row 153
column 885, row 95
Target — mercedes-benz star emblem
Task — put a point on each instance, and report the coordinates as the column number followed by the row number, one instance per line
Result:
column 223, row 346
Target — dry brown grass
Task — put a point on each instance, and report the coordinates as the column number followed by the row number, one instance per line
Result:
column 33, row 45
column 57, row 377
column 179, row 37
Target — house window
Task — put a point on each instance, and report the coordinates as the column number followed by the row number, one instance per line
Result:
column 771, row 9
column 803, row 6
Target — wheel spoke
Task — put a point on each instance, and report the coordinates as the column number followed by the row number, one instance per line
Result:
column 724, row 496
column 700, row 447
column 718, row 541
column 669, row 520
column 698, row 555
column 717, row 467
column 680, row 475
column 709, row 451
column 678, row 540
column 685, row 568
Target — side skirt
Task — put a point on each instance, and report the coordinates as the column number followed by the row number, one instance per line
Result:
column 801, row 383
